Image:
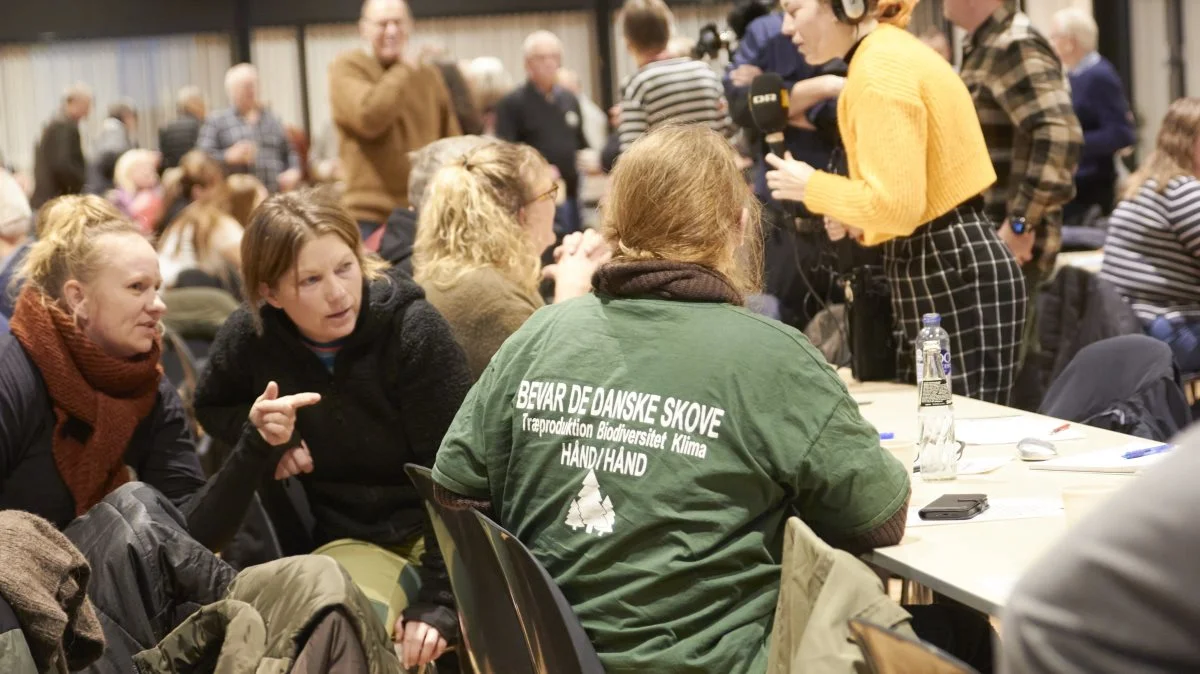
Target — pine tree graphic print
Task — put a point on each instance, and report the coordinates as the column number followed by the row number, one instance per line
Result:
column 591, row 510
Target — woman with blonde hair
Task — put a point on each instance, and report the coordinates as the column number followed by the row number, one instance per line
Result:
column 137, row 192
column 1152, row 253
column 323, row 320
column 644, row 445
column 918, row 165
column 485, row 219
column 83, row 403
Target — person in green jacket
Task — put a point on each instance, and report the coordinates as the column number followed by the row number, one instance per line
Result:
column 648, row 441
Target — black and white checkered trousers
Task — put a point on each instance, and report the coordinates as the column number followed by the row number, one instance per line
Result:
column 958, row 267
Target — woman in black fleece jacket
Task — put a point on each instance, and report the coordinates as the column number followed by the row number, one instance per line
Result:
column 388, row 371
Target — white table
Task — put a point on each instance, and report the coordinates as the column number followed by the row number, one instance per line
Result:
column 1090, row 260
column 976, row 563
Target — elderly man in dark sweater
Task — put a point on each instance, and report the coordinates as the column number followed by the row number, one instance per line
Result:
column 1099, row 100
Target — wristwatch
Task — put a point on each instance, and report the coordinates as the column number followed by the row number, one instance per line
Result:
column 1018, row 225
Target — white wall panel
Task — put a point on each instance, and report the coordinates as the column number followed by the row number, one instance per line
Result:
column 150, row 71
column 1151, row 71
column 276, row 54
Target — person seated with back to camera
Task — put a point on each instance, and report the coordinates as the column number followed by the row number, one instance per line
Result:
column 84, row 407
column 198, row 177
column 394, row 241
column 323, row 321
column 485, row 217
column 671, row 558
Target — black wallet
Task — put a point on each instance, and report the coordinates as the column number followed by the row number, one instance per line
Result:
column 955, row 507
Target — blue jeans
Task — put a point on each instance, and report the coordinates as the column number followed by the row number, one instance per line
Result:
column 1184, row 339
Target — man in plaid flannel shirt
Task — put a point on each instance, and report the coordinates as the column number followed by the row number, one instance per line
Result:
column 247, row 137
column 1024, row 105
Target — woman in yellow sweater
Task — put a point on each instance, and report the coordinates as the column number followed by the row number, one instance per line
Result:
column 918, row 163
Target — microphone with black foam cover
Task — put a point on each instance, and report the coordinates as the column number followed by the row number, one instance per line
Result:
column 769, row 109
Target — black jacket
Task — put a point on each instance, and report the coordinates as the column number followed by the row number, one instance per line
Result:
column 148, row 574
column 399, row 234
column 161, row 452
column 177, row 139
column 1075, row 309
column 1128, row 384
column 396, row 385
column 58, row 165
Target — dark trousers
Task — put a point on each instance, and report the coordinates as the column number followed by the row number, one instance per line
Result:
column 957, row 267
column 794, row 268
column 1098, row 191
column 960, row 631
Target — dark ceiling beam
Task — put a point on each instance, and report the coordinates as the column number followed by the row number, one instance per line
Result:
column 286, row 12
column 62, row 20
column 31, row 21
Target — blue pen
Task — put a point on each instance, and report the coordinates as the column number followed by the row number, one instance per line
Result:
column 1139, row 453
column 887, row 436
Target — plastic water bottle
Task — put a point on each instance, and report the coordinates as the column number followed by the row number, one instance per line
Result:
column 933, row 331
column 937, row 450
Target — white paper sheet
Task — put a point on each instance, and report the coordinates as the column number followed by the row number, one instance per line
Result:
column 982, row 465
column 1105, row 460
column 999, row 509
column 1011, row 430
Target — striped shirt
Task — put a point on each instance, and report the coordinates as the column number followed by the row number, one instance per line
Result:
column 326, row 352
column 679, row 90
column 1152, row 253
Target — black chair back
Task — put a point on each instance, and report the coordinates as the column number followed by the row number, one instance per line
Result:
column 1128, row 384
column 491, row 629
column 556, row 640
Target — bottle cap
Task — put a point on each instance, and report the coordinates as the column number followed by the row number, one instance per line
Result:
column 931, row 320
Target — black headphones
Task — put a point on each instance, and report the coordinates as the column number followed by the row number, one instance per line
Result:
column 850, row 12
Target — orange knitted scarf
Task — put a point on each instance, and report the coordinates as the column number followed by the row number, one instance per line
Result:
column 111, row 396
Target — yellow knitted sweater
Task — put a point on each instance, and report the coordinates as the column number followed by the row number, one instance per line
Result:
column 913, row 142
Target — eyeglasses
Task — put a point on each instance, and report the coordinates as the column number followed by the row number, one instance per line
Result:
column 551, row 194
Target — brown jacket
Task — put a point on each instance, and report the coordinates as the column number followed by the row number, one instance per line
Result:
column 820, row 590
column 483, row 309
column 382, row 115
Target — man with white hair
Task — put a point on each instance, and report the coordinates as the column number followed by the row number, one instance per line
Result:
column 1100, row 104
column 59, row 167
column 248, row 138
column 16, row 219
column 179, row 137
column 385, row 104
column 547, row 117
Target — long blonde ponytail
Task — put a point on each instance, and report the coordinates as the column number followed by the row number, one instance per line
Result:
column 469, row 218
